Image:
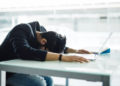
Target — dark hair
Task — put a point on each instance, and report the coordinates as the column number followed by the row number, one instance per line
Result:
column 55, row 42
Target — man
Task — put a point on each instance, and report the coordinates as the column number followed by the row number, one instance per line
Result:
column 31, row 41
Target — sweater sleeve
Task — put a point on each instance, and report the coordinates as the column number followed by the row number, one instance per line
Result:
column 65, row 50
column 22, row 48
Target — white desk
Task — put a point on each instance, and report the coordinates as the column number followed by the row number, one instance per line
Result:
column 100, row 70
column 93, row 71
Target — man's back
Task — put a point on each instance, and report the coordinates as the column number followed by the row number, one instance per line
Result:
column 19, row 34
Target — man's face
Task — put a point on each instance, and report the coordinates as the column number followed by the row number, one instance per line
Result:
column 42, row 41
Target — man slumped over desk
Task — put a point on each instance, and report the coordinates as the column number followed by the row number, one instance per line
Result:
column 31, row 41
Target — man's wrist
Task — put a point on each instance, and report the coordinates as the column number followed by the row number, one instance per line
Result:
column 60, row 57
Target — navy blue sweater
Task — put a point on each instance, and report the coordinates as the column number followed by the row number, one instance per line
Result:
column 21, row 42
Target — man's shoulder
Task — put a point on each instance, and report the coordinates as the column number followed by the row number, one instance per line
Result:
column 36, row 26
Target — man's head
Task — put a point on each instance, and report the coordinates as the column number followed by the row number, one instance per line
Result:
column 52, row 41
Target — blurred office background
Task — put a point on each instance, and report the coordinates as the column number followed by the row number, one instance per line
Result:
column 88, row 22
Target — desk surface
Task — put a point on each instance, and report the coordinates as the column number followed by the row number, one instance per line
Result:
column 104, row 65
column 101, row 69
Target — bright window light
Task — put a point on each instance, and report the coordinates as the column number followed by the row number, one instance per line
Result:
column 56, row 3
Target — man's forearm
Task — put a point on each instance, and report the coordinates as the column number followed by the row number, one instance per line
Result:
column 66, row 58
column 70, row 50
column 52, row 56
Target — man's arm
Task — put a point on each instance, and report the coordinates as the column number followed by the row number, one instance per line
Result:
column 66, row 58
column 80, row 51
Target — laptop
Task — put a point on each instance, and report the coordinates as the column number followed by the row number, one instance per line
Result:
column 102, row 50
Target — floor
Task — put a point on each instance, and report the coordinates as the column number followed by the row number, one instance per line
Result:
column 75, row 82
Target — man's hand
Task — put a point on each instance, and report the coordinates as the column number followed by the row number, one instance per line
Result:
column 72, row 58
column 82, row 51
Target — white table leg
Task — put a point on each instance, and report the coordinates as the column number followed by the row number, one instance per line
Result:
column 2, row 78
column 67, row 81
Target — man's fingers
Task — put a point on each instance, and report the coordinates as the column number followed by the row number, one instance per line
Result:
column 81, row 60
column 84, row 59
column 77, row 60
column 84, row 51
